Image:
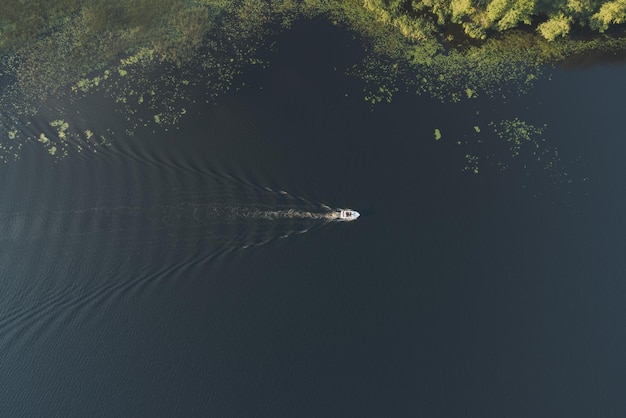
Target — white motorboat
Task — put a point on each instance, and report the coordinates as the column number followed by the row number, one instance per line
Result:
column 347, row 215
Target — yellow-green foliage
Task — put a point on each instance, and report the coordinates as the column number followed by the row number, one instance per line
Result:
column 557, row 26
column 507, row 14
column 55, row 45
column 613, row 12
column 580, row 8
column 459, row 9
column 75, row 46
column 478, row 17
column 509, row 63
column 411, row 27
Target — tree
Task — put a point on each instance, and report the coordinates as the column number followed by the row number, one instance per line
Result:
column 506, row 14
column 613, row 12
column 558, row 25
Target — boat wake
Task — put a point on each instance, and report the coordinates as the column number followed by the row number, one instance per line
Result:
column 48, row 223
column 112, row 250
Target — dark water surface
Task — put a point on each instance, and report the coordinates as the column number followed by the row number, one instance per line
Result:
column 147, row 280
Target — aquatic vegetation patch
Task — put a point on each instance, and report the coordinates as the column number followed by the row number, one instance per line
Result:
column 146, row 64
column 408, row 51
column 471, row 164
column 69, row 140
column 57, row 47
column 522, row 150
column 10, row 149
column 155, row 59
column 517, row 133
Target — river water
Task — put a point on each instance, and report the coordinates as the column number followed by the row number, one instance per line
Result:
column 191, row 272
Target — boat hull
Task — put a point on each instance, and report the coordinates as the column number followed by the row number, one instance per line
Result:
column 347, row 215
